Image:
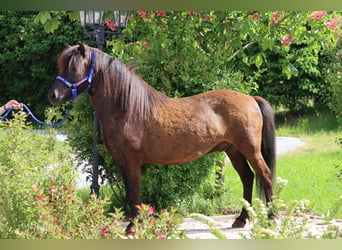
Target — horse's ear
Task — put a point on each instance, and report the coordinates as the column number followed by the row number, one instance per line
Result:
column 82, row 49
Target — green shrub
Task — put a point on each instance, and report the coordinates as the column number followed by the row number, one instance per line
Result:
column 29, row 54
column 38, row 197
column 31, row 165
column 333, row 74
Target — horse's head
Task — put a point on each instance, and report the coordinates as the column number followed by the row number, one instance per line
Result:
column 76, row 66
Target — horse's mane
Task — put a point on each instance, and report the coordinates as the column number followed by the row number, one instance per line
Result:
column 129, row 93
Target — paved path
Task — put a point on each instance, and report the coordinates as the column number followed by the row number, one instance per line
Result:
column 198, row 230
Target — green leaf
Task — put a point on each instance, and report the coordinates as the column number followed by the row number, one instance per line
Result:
column 51, row 25
column 74, row 15
column 258, row 60
column 290, row 70
column 42, row 17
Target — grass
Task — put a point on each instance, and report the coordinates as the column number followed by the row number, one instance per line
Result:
column 310, row 170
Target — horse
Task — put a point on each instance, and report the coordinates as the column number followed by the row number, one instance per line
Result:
column 142, row 125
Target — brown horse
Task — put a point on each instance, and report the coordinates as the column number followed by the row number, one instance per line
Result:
column 141, row 125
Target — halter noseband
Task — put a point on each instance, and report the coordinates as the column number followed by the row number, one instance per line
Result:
column 88, row 78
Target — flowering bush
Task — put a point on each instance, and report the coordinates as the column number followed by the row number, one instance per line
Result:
column 163, row 226
column 184, row 53
column 38, row 198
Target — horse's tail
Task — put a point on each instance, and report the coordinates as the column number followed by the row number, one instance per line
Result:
column 268, row 144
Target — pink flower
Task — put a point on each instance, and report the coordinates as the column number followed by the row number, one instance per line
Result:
column 275, row 17
column 191, row 12
column 256, row 16
column 111, row 25
column 40, row 197
column 161, row 13
column 318, row 15
column 150, row 210
column 208, row 18
column 105, row 230
column 161, row 237
column 333, row 23
column 143, row 14
column 286, row 40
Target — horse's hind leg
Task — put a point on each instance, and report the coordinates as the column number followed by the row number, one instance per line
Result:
column 264, row 174
column 246, row 175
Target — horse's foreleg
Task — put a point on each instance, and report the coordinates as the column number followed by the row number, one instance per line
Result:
column 131, row 174
column 246, row 175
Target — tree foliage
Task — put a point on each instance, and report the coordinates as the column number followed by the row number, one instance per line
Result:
column 278, row 53
column 28, row 56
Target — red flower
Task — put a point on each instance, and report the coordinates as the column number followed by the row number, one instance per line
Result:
column 286, row 40
column 161, row 237
column 111, row 25
column 161, row 13
column 143, row 14
column 256, row 16
column 150, row 210
column 40, row 197
column 208, row 18
column 318, row 15
column 276, row 16
column 105, row 230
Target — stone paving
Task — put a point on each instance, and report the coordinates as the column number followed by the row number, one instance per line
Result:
column 198, row 230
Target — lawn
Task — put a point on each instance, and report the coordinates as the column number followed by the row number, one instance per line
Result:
column 312, row 171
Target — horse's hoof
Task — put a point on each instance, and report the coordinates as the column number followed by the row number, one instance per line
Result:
column 239, row 223
column 130, row 229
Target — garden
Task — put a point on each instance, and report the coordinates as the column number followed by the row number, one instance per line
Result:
column 293, row 59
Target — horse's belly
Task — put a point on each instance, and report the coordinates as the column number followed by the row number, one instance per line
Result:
column 176, row 145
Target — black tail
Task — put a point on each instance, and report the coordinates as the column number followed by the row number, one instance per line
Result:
column 268, row 144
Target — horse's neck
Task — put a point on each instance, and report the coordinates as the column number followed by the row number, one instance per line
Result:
column 109, row 89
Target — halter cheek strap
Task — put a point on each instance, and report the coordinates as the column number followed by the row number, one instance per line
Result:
column 88, row 78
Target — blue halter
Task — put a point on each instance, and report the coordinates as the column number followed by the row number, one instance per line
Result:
column 88, row 78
